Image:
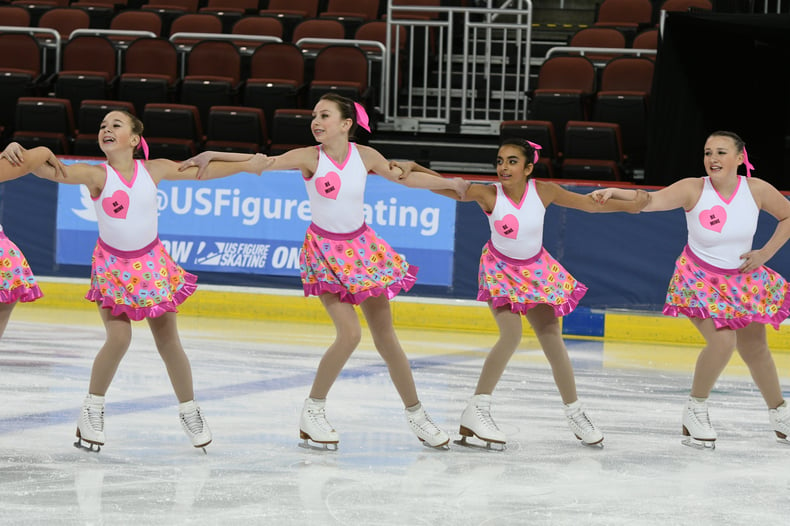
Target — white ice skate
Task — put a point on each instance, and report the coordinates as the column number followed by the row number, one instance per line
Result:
column 422, row 426
column 476, row 421
column 313, row 426
column 582, row 426
column 780, row 421
column 697, row 426
column 90, row 426
column 194, row 424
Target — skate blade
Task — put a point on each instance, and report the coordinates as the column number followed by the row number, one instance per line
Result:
column 487, row 446
column 318, row 446
column 782, row 438
column 87, row 446
column 440, row 447
column 706, row 445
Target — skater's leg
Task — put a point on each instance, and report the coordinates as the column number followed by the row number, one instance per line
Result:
column 379, row 317
column 118, row 331
column 5, row 315
column 714, row 357
column 753, row 348
column 347, row 337
column 164, row 328
column 509, row 324
column 547, row 329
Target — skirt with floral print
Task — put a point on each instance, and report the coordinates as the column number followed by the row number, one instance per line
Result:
column 142, row 284
column 527, row 283
column 356, row 265
column 19, row 284
column 731, row 298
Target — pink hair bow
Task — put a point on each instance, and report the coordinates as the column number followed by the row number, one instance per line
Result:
column 749, row 166
column 144, row 147
column 362, row 116
column 537, row 147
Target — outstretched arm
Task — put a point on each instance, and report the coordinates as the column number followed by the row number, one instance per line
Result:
column 633, row 201
column 213, row 165
column 418, row 177
column 16, row 161
column 682, row 194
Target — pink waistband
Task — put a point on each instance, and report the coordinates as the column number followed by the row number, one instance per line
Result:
column 514, row 261
column 337, row 236
column 707, row 266
column 129, row 253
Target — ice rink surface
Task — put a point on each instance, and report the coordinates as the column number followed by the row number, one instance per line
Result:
column 251, row 379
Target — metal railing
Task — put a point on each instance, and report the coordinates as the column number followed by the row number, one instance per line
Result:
column 466, row 69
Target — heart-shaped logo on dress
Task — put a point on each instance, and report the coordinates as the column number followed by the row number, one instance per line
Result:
column 117, row 205
column 507, row 226
column 714, row 218
column 328, row 185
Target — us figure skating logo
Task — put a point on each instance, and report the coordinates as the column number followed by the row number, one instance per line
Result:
column 232, row 254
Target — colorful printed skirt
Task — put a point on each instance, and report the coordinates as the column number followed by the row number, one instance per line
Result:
column 19, row 284
column 356, row 265
column 731, row 298
column 142, row 284
column 527, row 283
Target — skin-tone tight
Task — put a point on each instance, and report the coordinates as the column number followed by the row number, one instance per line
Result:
column 168, row 343
column 5, row 315
column 752, row 346
column 547, row 330
column 378, row 315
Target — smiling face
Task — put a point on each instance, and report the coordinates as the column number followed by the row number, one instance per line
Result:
column 116, row 133
column 722, row 156
column 511, row 165
column 328, row 122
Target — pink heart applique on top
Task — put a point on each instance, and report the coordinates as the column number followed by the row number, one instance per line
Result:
column 507, row 226
column 328, row 185
column 714, row 218
column 116, row 205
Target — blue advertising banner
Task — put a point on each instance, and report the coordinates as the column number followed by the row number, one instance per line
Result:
column 256, row 224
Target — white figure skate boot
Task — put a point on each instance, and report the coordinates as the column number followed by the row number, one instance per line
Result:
column 581, row 425
column 313, row 426
column 780, row 420
column 90, row 426
column 422, row 426
column 194, row 424
column 476, row 421
column 697, row 426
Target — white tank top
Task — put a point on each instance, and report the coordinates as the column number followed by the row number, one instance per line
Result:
column 720, row 231
column 337, row 192
column 127, row 212
column 517, row 228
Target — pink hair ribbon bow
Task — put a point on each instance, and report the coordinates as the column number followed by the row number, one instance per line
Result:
column 144, row 146
column 749, row 166
column 537, row 147
column 362, row 116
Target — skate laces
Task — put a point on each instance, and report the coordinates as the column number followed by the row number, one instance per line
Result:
column 581, row 420
column 700, row 413
column 193, row 421
column 420, row 420
column 318, row 418
column 484, row 416
column 94, row 416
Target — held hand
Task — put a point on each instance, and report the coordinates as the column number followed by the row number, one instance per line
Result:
column 461, row 186
column 405, row 169
column 200, row 161
column 60, row 169
column 261, row 163
column 14, row 153
column 642, row 200
column 752, row 260
column 601, row 196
